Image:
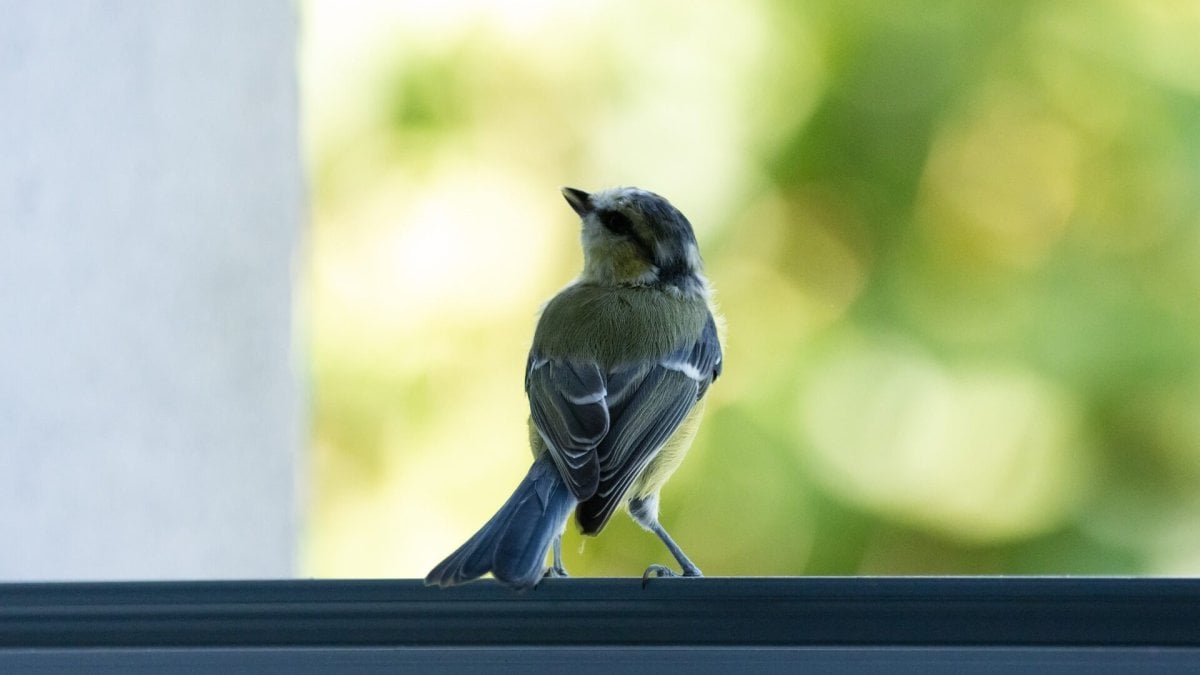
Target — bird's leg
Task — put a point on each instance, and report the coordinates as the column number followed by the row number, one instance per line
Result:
column 645, row 513
column 557, row 570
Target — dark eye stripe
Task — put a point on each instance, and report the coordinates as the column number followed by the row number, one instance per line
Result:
column 616, row 222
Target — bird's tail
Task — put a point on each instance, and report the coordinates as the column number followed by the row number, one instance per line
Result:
column 513, row 544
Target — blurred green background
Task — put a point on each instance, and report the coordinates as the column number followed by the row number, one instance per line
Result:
column 956, row 245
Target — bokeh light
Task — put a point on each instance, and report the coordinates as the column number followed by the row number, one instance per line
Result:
column 955, row 245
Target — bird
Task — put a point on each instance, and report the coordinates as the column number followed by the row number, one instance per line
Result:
column 616, row 378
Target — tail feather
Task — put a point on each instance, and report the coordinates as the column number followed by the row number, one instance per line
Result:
column 513, row 544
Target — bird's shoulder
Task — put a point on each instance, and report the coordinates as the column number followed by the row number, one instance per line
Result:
column 612, row 324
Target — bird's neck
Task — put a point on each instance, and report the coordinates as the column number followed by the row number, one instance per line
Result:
column 688, row 283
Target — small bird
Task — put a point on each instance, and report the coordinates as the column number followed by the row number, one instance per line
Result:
column 616, row 377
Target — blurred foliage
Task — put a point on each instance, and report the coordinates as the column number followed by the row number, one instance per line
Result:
column 955, row 243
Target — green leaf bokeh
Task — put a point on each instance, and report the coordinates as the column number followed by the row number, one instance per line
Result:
column 956, row 245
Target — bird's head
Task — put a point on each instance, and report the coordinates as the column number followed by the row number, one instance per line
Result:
column 635, row 237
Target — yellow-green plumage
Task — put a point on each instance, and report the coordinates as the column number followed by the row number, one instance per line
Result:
column 616, row 377
column 618, row 324
column 669, row 457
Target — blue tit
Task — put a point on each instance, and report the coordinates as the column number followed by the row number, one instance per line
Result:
column 616, row 377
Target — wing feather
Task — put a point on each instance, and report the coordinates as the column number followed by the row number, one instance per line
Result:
column 646, row 406
column 567, row 403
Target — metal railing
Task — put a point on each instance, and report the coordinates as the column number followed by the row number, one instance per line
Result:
column 701, row 622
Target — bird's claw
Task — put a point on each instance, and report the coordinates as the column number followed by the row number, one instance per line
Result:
column 659, row 571
column 555, row 573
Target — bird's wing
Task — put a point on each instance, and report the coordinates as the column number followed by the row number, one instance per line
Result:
column 646, row 403
column 567, row 400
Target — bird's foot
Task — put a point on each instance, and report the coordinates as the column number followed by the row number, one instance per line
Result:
column 555, row 572
column 660, row 571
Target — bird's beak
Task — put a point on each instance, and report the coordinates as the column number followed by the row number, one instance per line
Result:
column 579, row 200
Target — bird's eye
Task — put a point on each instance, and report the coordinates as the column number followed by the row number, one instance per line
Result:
column 616, row 222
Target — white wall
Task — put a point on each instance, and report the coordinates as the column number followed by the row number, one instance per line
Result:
column 151, row 201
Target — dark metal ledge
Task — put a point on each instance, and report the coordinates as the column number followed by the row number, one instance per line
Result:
column 712, row 612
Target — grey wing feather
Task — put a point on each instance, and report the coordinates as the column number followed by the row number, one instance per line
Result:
column 706, row 355
column 568, row 406
column 646, row 403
